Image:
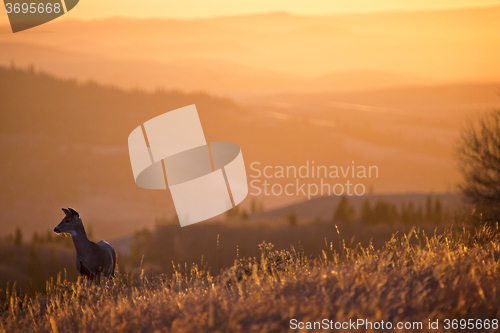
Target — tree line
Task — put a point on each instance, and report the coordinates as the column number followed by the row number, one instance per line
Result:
column 386, row 212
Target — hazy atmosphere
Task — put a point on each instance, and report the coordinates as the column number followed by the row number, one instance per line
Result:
column 391, row 90
column 361, row 125
column 199, row 8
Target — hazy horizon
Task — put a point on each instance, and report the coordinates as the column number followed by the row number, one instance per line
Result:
column 192, row 9
column 385, row 89
column 267, row 53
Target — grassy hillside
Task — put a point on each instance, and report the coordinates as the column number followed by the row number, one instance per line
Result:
column 453, row 276
column 215, row 245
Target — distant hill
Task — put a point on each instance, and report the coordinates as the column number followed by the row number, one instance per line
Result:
column 448, row 104
column 64, row 143
column 268, row 53
column 216, row 76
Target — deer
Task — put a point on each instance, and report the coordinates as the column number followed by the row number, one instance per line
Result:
column 92, row 260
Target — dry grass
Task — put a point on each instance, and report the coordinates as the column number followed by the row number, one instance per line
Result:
column 453, row 276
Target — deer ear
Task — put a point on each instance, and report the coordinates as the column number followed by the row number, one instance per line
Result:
column 74, row 212
column 67, row 212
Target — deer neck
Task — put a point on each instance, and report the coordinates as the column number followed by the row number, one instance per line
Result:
column 80, row 240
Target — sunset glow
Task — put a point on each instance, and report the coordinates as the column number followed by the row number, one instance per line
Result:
column 90, row 9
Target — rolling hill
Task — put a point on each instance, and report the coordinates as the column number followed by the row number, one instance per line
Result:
column 64, row 143
column 269, row 53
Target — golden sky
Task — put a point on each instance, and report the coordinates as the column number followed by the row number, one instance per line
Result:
column 89, row 9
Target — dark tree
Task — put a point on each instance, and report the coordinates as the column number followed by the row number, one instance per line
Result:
column 438, row 212
column 292, row 219
column 478, row 154
column 18, row 237
column 367, row 213
column 344, row 212
column 429, row 212
column 385, row 213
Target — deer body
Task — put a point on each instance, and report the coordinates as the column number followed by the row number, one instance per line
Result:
column 92, row 260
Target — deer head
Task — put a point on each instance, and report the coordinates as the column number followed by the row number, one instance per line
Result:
column 71, row 223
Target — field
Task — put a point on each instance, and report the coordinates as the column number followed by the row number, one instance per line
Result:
column 412, row 279
column 344, row 93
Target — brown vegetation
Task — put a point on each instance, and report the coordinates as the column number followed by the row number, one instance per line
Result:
column 478, row 154
column 448, row 276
